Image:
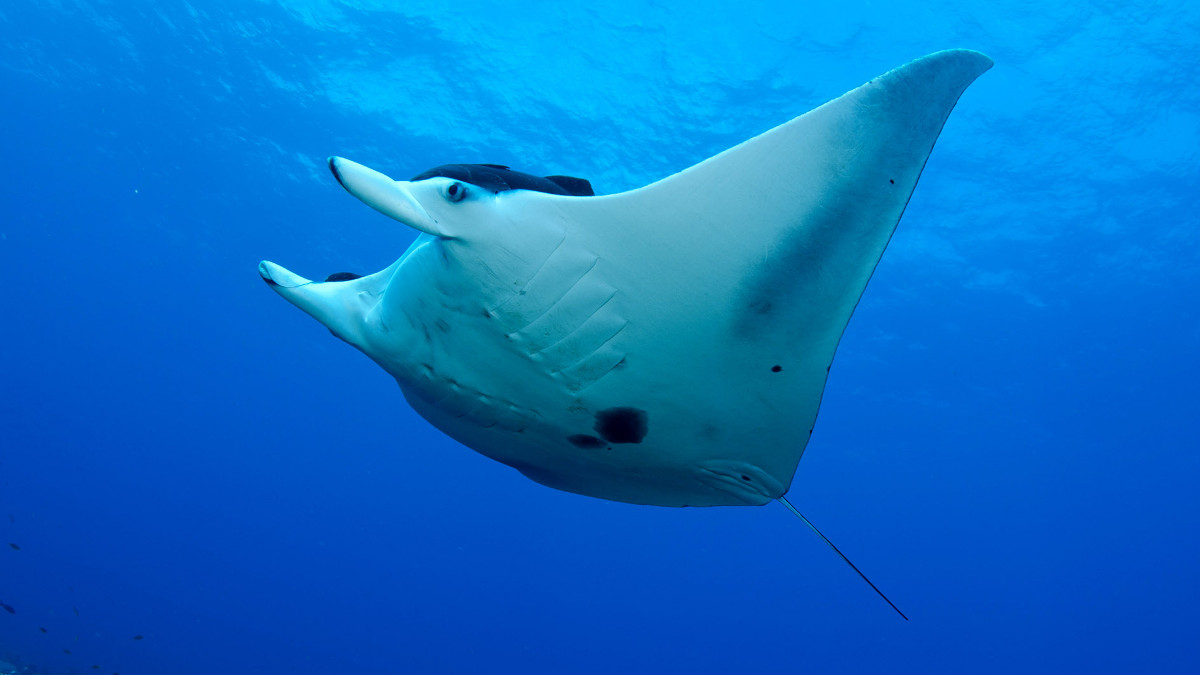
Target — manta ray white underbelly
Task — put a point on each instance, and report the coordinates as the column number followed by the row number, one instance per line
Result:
column 668, row 345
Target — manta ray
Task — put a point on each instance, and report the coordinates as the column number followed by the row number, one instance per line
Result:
column 668, row 345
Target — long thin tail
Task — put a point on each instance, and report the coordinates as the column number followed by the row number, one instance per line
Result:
column 825, row 539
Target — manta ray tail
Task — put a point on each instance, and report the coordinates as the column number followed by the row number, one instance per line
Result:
column 785, row 502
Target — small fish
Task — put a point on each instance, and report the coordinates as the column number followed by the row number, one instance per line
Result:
column 11, row 519
column 76, row 610
column 66, row 651
column 42, row 629
column 138, row 637
column 8, row 608
column 14, row 546
column 95, row 667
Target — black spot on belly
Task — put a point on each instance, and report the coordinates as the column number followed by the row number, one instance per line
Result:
column 585, row 441
column 622, row 425
column 343, row 276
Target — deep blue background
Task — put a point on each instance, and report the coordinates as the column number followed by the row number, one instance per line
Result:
column 1008, row 444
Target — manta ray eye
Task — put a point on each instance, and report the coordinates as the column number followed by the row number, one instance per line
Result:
column 456, row 192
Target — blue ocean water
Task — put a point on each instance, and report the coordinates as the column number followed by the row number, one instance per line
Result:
column 1008, row 444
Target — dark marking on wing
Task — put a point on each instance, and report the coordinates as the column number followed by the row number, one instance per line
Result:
column 586, row 441
column 790, row 290
column 622, row 425
column 498, row 178
column 343, row 276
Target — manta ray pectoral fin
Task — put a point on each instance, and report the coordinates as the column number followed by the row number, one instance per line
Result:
column 390, row 197
column 766, row 248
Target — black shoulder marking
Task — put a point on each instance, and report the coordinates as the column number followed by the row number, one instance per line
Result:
column 578, row 187
column 498, row 178
column 481, row 175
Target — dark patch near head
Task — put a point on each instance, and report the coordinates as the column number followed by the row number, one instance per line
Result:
column 622, row 425
column 270, row 281
column 576, row 187
column 585, row 441
column 776, row 369
column 343, row 276
column 761, row 307
column 499, row 178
